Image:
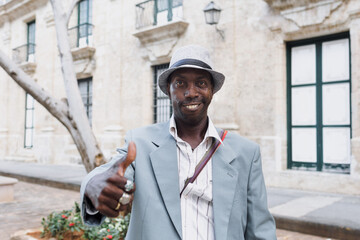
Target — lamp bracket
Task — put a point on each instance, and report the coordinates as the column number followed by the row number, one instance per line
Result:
column 221, row 32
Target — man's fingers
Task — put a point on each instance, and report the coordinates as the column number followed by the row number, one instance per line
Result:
column 109, row 206
column 120, row 182
column 112, row 192
column 131, row 154
column 107, row 211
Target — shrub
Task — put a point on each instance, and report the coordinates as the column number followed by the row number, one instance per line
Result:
column 69, row 223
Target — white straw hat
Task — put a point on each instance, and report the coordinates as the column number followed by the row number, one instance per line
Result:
column 191, row 56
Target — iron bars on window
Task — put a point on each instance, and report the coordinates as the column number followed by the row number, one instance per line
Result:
column 24, row 53
column 81, row 35
column 155, row 12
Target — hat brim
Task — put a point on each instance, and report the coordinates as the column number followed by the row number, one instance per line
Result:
column 218, row 78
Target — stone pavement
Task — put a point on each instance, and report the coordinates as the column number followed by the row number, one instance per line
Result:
column 31, row 203
column 323, row 214
column 330, row 215
column 61, row 176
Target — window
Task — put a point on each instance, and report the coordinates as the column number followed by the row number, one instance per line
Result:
column 84, row 23
column 319, row 105
column 85, row 87
column 29, row 121
column 30, row 55
column 26, row 52
column 157, row 12
column 165, row 14
column 162, row 105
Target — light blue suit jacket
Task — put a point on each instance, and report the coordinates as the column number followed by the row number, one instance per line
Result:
column 239, row 194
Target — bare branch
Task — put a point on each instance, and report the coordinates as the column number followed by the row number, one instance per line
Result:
column 70, row 10
column 34, row 89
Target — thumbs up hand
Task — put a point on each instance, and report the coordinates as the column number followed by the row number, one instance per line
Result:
column 130, row 157
column 118, row 192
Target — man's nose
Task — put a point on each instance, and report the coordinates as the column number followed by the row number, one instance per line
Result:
column 191, row 91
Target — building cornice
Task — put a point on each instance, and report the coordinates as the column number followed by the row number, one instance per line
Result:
column 17, row 8
column 283, row 5
column 157, row 33
column 159, row 41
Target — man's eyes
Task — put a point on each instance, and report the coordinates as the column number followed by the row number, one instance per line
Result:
column 179, row 83
column 201, row 83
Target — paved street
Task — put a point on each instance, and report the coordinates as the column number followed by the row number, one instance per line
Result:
column 33, row 202
column 287, row 235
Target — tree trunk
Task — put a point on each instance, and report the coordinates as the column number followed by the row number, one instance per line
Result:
column 85, row 141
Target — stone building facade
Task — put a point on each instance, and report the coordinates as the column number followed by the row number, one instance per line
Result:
column 292, row 79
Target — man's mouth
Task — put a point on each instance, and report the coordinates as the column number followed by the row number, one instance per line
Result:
column 192, row 106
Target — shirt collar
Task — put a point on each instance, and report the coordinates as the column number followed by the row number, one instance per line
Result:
column 210, row 132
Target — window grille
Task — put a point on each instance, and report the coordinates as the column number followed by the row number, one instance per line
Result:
column 158, row 12
column 162, row 105
column 85, row 87
column 30, row 56
column 84, row 28
column 29, row 121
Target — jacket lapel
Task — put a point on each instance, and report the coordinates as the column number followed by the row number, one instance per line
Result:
column 165, row 167
column 224, row 185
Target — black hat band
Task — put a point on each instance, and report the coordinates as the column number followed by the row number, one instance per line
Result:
column 190, row 61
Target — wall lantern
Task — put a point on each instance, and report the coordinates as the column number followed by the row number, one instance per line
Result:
column 212, row 16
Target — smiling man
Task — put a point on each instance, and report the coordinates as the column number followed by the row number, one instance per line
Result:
column 190, row 92
column 193, row 181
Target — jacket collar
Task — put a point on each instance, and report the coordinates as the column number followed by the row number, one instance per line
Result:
column 210, row 132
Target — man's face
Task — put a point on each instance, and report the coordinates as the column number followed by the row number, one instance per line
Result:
column 190, row 92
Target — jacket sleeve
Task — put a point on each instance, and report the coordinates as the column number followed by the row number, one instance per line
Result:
column 95, row 181
column 260, row 223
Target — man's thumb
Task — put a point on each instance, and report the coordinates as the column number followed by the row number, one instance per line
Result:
column 130, row 157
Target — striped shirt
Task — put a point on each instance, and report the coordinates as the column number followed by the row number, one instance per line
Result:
column 196, row 201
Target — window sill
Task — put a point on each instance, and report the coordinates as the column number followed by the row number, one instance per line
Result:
column 83, row 61
column 160, row 32
column 28, row 67
column 82, row 53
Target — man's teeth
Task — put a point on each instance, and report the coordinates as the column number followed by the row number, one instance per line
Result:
column 192, row 106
